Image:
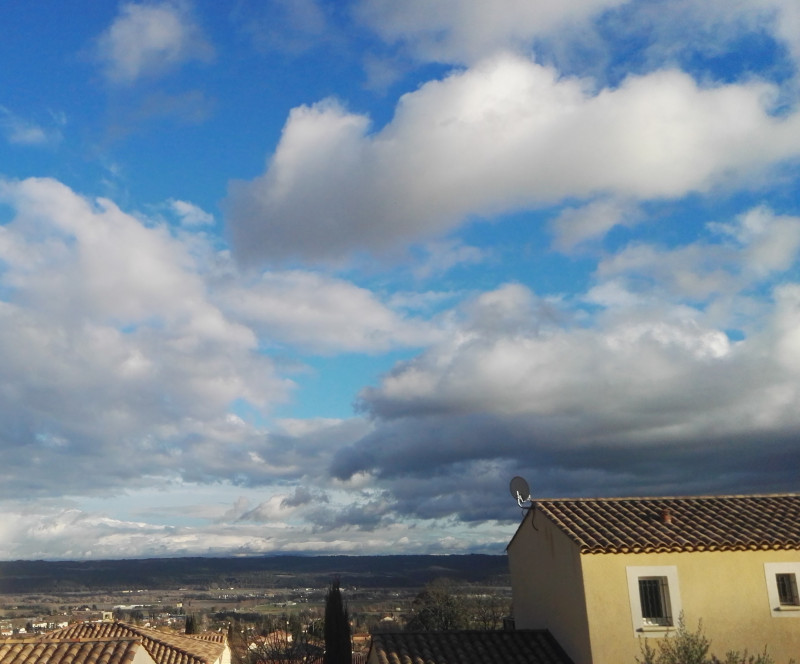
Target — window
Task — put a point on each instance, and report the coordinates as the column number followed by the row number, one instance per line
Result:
column 787, row 589
column 654, row 598
column 784, row 600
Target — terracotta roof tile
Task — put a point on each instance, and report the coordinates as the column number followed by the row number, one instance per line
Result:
column 59, row 651
column 164, row 647
column 694, row 523
column 468, row 647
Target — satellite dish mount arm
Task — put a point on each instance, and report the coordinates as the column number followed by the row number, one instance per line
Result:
column 521, row 491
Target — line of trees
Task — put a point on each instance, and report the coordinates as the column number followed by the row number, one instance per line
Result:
column 440, row 607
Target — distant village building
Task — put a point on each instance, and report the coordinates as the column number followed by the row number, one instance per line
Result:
column 64, row 651
column 116, row 643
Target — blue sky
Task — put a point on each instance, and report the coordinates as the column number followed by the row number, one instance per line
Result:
column 306, row 276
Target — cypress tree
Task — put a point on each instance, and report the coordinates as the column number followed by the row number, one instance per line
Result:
column 338, row 648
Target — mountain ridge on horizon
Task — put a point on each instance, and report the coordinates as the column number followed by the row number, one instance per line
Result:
column 398, row 570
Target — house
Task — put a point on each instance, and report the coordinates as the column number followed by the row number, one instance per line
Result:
column 163, row 647
column 466, row 647
column 602, row 574
column 63, row 651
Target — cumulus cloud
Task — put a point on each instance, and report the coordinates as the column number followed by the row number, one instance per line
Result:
column 504, row 135
column 120, row 365
column 442, row 256
column 517, row 371
column 574, row 226
column 323, row 314
column 755, row 246
column 190, row 214
column 291, row 452
column 646, row 395
column 114, row 354
column 610, row 402
column 149, row 39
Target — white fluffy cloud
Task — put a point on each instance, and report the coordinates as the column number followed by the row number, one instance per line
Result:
column 574, row 226
column 149, row 39
column 113, row 353
column 750, row 250
column 323, row 314
column 503, row 135
column 511, row 359
column 190, row 214
column 466, row 30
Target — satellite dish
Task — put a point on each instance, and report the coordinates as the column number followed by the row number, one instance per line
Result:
column 520, row 490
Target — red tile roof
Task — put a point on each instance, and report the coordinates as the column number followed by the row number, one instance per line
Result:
column 697, row 523
column 164, row 647
column 524, row 646
column 59, row 651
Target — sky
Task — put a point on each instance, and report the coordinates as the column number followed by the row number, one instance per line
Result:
column 321, row 277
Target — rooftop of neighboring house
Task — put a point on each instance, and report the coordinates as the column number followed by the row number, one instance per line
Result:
column 670, row 524
column 525, row 646
column 60, row 651
column 164, row 647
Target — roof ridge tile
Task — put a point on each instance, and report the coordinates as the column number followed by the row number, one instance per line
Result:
column 695, row 523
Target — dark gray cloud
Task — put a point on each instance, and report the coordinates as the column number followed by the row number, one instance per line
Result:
column 303, row 496
column 366, row 513
column 460, row 466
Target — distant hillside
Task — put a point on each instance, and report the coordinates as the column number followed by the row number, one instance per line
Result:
column 270, row 572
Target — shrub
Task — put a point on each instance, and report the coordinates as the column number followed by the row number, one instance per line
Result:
column 685, row 647
column 734, row 657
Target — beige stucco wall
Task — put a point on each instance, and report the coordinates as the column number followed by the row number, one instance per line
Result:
column 547, row 585
column 727, row 590
column 142, row 656
column 225, row 657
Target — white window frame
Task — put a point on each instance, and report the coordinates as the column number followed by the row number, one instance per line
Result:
column 670, row 574
column 771, row 571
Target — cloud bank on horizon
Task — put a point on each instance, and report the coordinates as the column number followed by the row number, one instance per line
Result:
column 322, row 277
